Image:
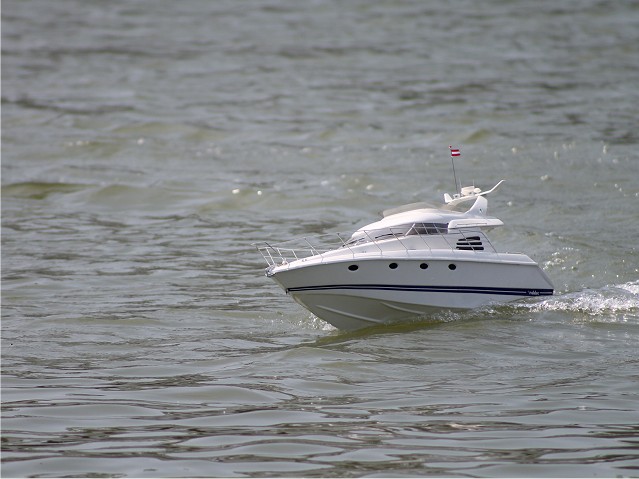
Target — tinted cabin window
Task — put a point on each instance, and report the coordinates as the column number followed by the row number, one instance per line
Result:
column 399, row 230
column 428, row 229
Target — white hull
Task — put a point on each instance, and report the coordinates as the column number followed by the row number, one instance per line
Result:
column 376, row 292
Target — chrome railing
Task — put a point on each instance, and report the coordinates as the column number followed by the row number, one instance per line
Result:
column 287, row 251
column 465, row 239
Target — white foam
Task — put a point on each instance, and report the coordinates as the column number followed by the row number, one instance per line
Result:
column 617, row 303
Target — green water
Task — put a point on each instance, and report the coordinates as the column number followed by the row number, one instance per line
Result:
column 146, row 145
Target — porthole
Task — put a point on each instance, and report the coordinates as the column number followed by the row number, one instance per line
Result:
column 424, row 266
column 353, row 267
column 393, row 266
column 452, row 267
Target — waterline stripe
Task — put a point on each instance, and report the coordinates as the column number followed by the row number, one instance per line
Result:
column 428, row 289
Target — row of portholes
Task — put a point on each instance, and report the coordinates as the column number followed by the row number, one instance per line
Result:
column 451, row 266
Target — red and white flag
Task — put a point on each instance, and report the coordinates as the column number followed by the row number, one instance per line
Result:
column 454, row 151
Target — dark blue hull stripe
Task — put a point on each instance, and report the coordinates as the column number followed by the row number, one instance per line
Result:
column 428, row 289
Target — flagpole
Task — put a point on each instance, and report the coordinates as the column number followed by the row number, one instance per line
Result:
column 454, row 153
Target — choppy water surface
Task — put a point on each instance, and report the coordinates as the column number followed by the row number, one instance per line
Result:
column 146, row 145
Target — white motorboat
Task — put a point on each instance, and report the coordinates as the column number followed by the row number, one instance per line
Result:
column 419, row 258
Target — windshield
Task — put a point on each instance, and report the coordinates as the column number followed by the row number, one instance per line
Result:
column 408, row 229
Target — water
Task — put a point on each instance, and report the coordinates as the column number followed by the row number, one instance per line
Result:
column 146, row 145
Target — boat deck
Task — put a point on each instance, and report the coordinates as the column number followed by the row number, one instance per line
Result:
column 335, row 244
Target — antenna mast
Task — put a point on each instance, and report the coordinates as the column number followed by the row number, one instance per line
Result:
column 453, row 153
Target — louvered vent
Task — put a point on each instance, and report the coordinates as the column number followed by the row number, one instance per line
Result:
column 470, row 243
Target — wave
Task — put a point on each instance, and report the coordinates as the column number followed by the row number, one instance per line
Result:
column 610, row 304
column 38, row 190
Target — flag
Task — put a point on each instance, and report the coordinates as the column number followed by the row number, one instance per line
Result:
column 454, row 151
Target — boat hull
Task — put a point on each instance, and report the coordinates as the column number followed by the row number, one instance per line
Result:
column 351, row 294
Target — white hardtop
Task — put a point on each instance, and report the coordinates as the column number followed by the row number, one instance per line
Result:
column 443, row 216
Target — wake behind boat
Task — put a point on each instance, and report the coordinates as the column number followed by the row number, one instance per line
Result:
column 417, row 259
